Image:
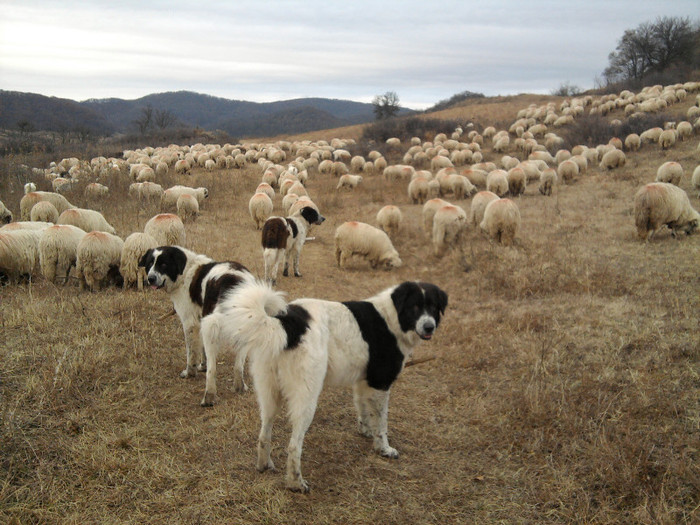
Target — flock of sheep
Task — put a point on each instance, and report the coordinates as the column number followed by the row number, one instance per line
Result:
column 54, row 235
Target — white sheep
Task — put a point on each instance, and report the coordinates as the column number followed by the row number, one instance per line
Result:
column 86, row 219
column 497, row 182
column 167, row 229
column 19, row 253
column 449, row 222
column 182, row 167
column 389, row 219
column 428, row 212
column 99, row 255
column 29, row 187
column 501, row 221
column 460, row 186
column 359, row 238
column 168, row 200
column 187, row 207
column 298, row 188
column 44, row 211
column 667, row 138
column 659, row 203
column 260, row 207
column 419, row 189
column 58, row 250
column 300, row 203
column 632, row 142
column 479, row 203
column 30, row 199
column 349, row 181
column 517, row 181
column 567, row 170
column 5, row 214
column 684, row 130
column 614, row 158
column 671, row 172
column 288, row 201
column 265, row 188
column 135, row 246
column 548, row 178
column 695, row 180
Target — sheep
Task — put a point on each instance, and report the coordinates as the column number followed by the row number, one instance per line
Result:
column 632, row 142
column 501, row 221
column 389, row 219
column 167, row 229
column 497, row 182
column 448, row 224
column 30, row 199
column 671, row 172
column 187, row 207
column 265, row 188
column 95, row 192
column 548, row 178
column 44, row 211
column 419, row 189
column 479, row 203
column 301, row 202
column 298, row 188
column 260, row 207
column 567, row 170
column 684, row 130
column 667, row 138
column 58, row 249
column 460, row 186
column 288, row 201
column 659, row 203
column 99, row 255
column 517, row 180
column 348, row 181
column 428, row 212
column 182, row 167
column 19, row 253
column 85, row 219
column 168, row 200
column 5, row 214
column 695, row 181
column 135, row 246
column 359, row 238
column 614, row 158
column 29, row 187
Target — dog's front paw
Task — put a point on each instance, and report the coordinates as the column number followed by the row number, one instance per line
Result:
column 364, row 430
column 208, row 399
column 190, row 371
column 297, row 274
column 298, row 485
column 265, row 465
column 389, row 452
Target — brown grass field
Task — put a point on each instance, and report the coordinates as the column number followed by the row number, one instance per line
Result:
column 565, row 386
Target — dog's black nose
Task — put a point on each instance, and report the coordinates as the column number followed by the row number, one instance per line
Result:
column 151, row 279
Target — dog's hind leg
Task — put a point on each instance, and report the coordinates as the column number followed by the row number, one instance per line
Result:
column 270, row 402
column 192, row 346
column 239, row 371
column 210, row 339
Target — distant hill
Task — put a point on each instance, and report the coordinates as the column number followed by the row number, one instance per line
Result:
column 238, row 118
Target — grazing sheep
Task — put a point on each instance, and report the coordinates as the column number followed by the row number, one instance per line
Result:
column 695, row 181
column 659, row 203
column 359, row 238
column 348, row 181
column 671, row 172
column 182, row 167
column 497, row 182
column 19, row 253
column 95, row 191
column 517, row 180
column 667, row 138
column 297, row 188
column 288, row 201
column 30, row 199
column 428, row 212
column 684, row 130
column 389, row 219
column 567, row 170
column 5, row 214
column 85, row 219
column 614, row 158
column 419, row 189
column 58, row 250
column 29, row 187
column 479, row 203
column 167, row 229
column 99, row 255
column 548, row 178
column 187, row 207
column 265, row 188
column 501, row 221
column 169, row 198
column 448, row 224
column 44, row 211
column 135, row 246
column 460, row 186
column 632, row 142
column 260, row 207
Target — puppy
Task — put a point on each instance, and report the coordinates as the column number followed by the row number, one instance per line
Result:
column 284, row 238
column 295, row 348
column 195, row 284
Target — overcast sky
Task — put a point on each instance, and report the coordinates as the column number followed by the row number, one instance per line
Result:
column 264, row 51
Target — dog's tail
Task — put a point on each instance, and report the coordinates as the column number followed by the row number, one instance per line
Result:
column 250, row 318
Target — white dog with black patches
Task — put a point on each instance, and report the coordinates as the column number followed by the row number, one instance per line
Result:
column 296, row 347
column 195, row 284
column 283, row 239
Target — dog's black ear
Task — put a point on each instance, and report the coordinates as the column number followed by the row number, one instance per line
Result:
column 145, row 259
column 436, row 295
column 311, row 215
column 442, row 296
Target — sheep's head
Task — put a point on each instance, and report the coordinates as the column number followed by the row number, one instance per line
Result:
column 391, row 262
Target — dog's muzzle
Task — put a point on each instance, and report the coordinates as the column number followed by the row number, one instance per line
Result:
column 155, row 280
column 426, row 329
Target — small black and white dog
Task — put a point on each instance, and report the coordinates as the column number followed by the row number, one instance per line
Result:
column 195, row 284
column 284, row 238
column 296, row 347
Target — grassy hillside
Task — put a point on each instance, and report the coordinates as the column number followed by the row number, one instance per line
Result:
column 564, row 387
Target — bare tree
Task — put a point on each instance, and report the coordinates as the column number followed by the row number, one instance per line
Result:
column 163, row 118
column 145, row 121
column 386, row 105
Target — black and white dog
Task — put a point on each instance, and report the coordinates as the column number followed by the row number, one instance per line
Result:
column 195, row 284
column 295, row 348
column 284, row 238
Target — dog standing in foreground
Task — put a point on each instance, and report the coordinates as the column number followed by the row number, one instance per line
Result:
column 195, row 284
column 296, row 347
column 283, row 239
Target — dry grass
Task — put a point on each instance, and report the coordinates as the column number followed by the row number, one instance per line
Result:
column 565, row 389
